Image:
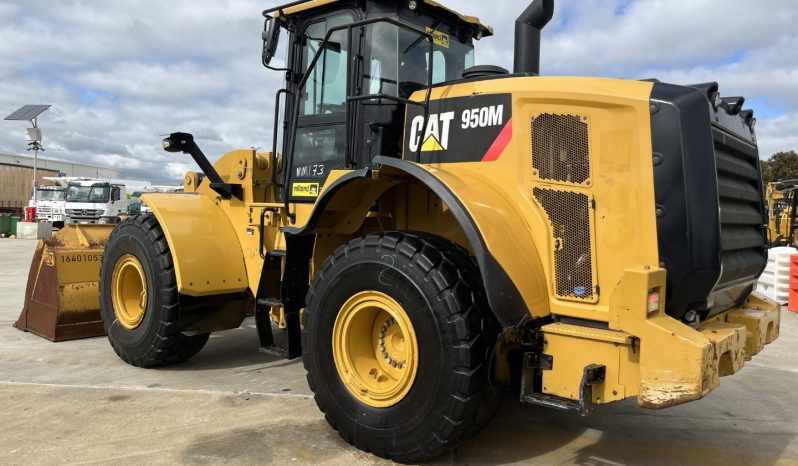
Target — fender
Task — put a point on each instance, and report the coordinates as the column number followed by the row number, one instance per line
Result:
column 504, row 298
column 206, row 251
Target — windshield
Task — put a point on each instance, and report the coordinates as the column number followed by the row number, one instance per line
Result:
column 98, row 193
column 399, row 60
column 50, row 194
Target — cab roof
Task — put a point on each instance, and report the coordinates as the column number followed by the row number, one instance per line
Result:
column 302, row 6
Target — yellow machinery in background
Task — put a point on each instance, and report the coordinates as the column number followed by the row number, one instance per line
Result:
column 430, row 233
column 782, row 204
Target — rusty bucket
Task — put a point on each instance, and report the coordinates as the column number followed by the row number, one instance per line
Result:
column 62, row 299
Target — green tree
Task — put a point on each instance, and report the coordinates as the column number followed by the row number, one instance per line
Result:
column 767, row 172
column 781, row 166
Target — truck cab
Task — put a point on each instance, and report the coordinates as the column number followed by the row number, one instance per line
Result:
column 92, row 201
column 50, row 202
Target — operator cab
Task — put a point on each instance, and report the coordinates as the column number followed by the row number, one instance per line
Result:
column 355, row 85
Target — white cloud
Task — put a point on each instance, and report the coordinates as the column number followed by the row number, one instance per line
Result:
column 778, row 134
column 120, row 74
column 177, row 170
column 147, row 81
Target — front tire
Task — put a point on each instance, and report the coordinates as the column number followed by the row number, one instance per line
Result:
column 139, row 302
column 409, row 378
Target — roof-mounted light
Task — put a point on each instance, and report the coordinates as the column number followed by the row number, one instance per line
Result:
column 413, row 5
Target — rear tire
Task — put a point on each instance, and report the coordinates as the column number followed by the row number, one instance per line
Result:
column 439, row 289
column 154, row 338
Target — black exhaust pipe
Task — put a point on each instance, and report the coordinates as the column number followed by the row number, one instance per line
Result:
column 527, row 35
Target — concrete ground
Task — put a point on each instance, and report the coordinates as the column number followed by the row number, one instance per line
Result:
column 76, row 403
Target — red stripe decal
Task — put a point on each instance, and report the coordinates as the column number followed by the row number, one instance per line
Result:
column 500, row 143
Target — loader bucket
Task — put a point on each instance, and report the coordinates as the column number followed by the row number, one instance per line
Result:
column 62, row 299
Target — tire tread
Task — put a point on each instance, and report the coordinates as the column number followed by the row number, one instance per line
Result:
column 456, row 277
column 169, row 345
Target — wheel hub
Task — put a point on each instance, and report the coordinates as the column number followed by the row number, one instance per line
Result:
column 129, row 291
column 375, row 349
column 396, row 344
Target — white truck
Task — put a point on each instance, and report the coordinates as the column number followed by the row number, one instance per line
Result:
column 93, row 201
column 50, row 202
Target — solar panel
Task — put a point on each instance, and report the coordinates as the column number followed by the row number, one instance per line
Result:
column 27, row 112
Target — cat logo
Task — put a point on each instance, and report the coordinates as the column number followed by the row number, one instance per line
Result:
column 436, row 137
column 474, row 128
column 305, row 189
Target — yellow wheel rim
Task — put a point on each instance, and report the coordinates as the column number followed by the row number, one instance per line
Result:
column 129, row 291
column 375, row 349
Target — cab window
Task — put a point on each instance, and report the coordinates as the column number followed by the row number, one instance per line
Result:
column 325, row 91
column 399, row 60
column 320, row 144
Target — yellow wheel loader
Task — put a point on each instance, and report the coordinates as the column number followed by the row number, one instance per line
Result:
column 429, row 232
column 782, row 207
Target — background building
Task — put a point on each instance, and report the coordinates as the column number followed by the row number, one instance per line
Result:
column 65, row 168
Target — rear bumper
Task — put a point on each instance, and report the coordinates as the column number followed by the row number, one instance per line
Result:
column 742, row 332
column 654, row 357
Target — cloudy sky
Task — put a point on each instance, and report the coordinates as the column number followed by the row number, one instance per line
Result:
column 121, row 73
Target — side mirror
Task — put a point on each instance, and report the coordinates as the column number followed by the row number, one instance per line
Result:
column 271, row 38
column 115, row 194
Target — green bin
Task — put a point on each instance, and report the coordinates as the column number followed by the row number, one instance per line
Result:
column 5, row 224
column 14, row 221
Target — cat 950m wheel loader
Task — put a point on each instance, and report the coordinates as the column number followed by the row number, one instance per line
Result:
column 429, row 231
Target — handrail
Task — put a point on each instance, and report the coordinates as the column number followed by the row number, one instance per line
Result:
column 274, row 136
column 280, row 8
column 261, row 229
column 289, row 156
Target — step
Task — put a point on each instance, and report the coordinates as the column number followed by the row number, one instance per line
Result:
column 270, row 302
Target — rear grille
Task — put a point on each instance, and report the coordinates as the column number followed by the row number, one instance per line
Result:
column 741, row 210
column 570, row 220
column 560, row 148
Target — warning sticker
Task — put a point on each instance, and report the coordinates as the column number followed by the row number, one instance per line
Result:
column 439, row 38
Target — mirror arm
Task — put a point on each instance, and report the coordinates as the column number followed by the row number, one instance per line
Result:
column 184, row 142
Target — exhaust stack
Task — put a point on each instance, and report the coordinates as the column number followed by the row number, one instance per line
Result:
column 527, row 35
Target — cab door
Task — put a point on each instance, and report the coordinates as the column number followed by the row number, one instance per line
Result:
column 321, row 133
